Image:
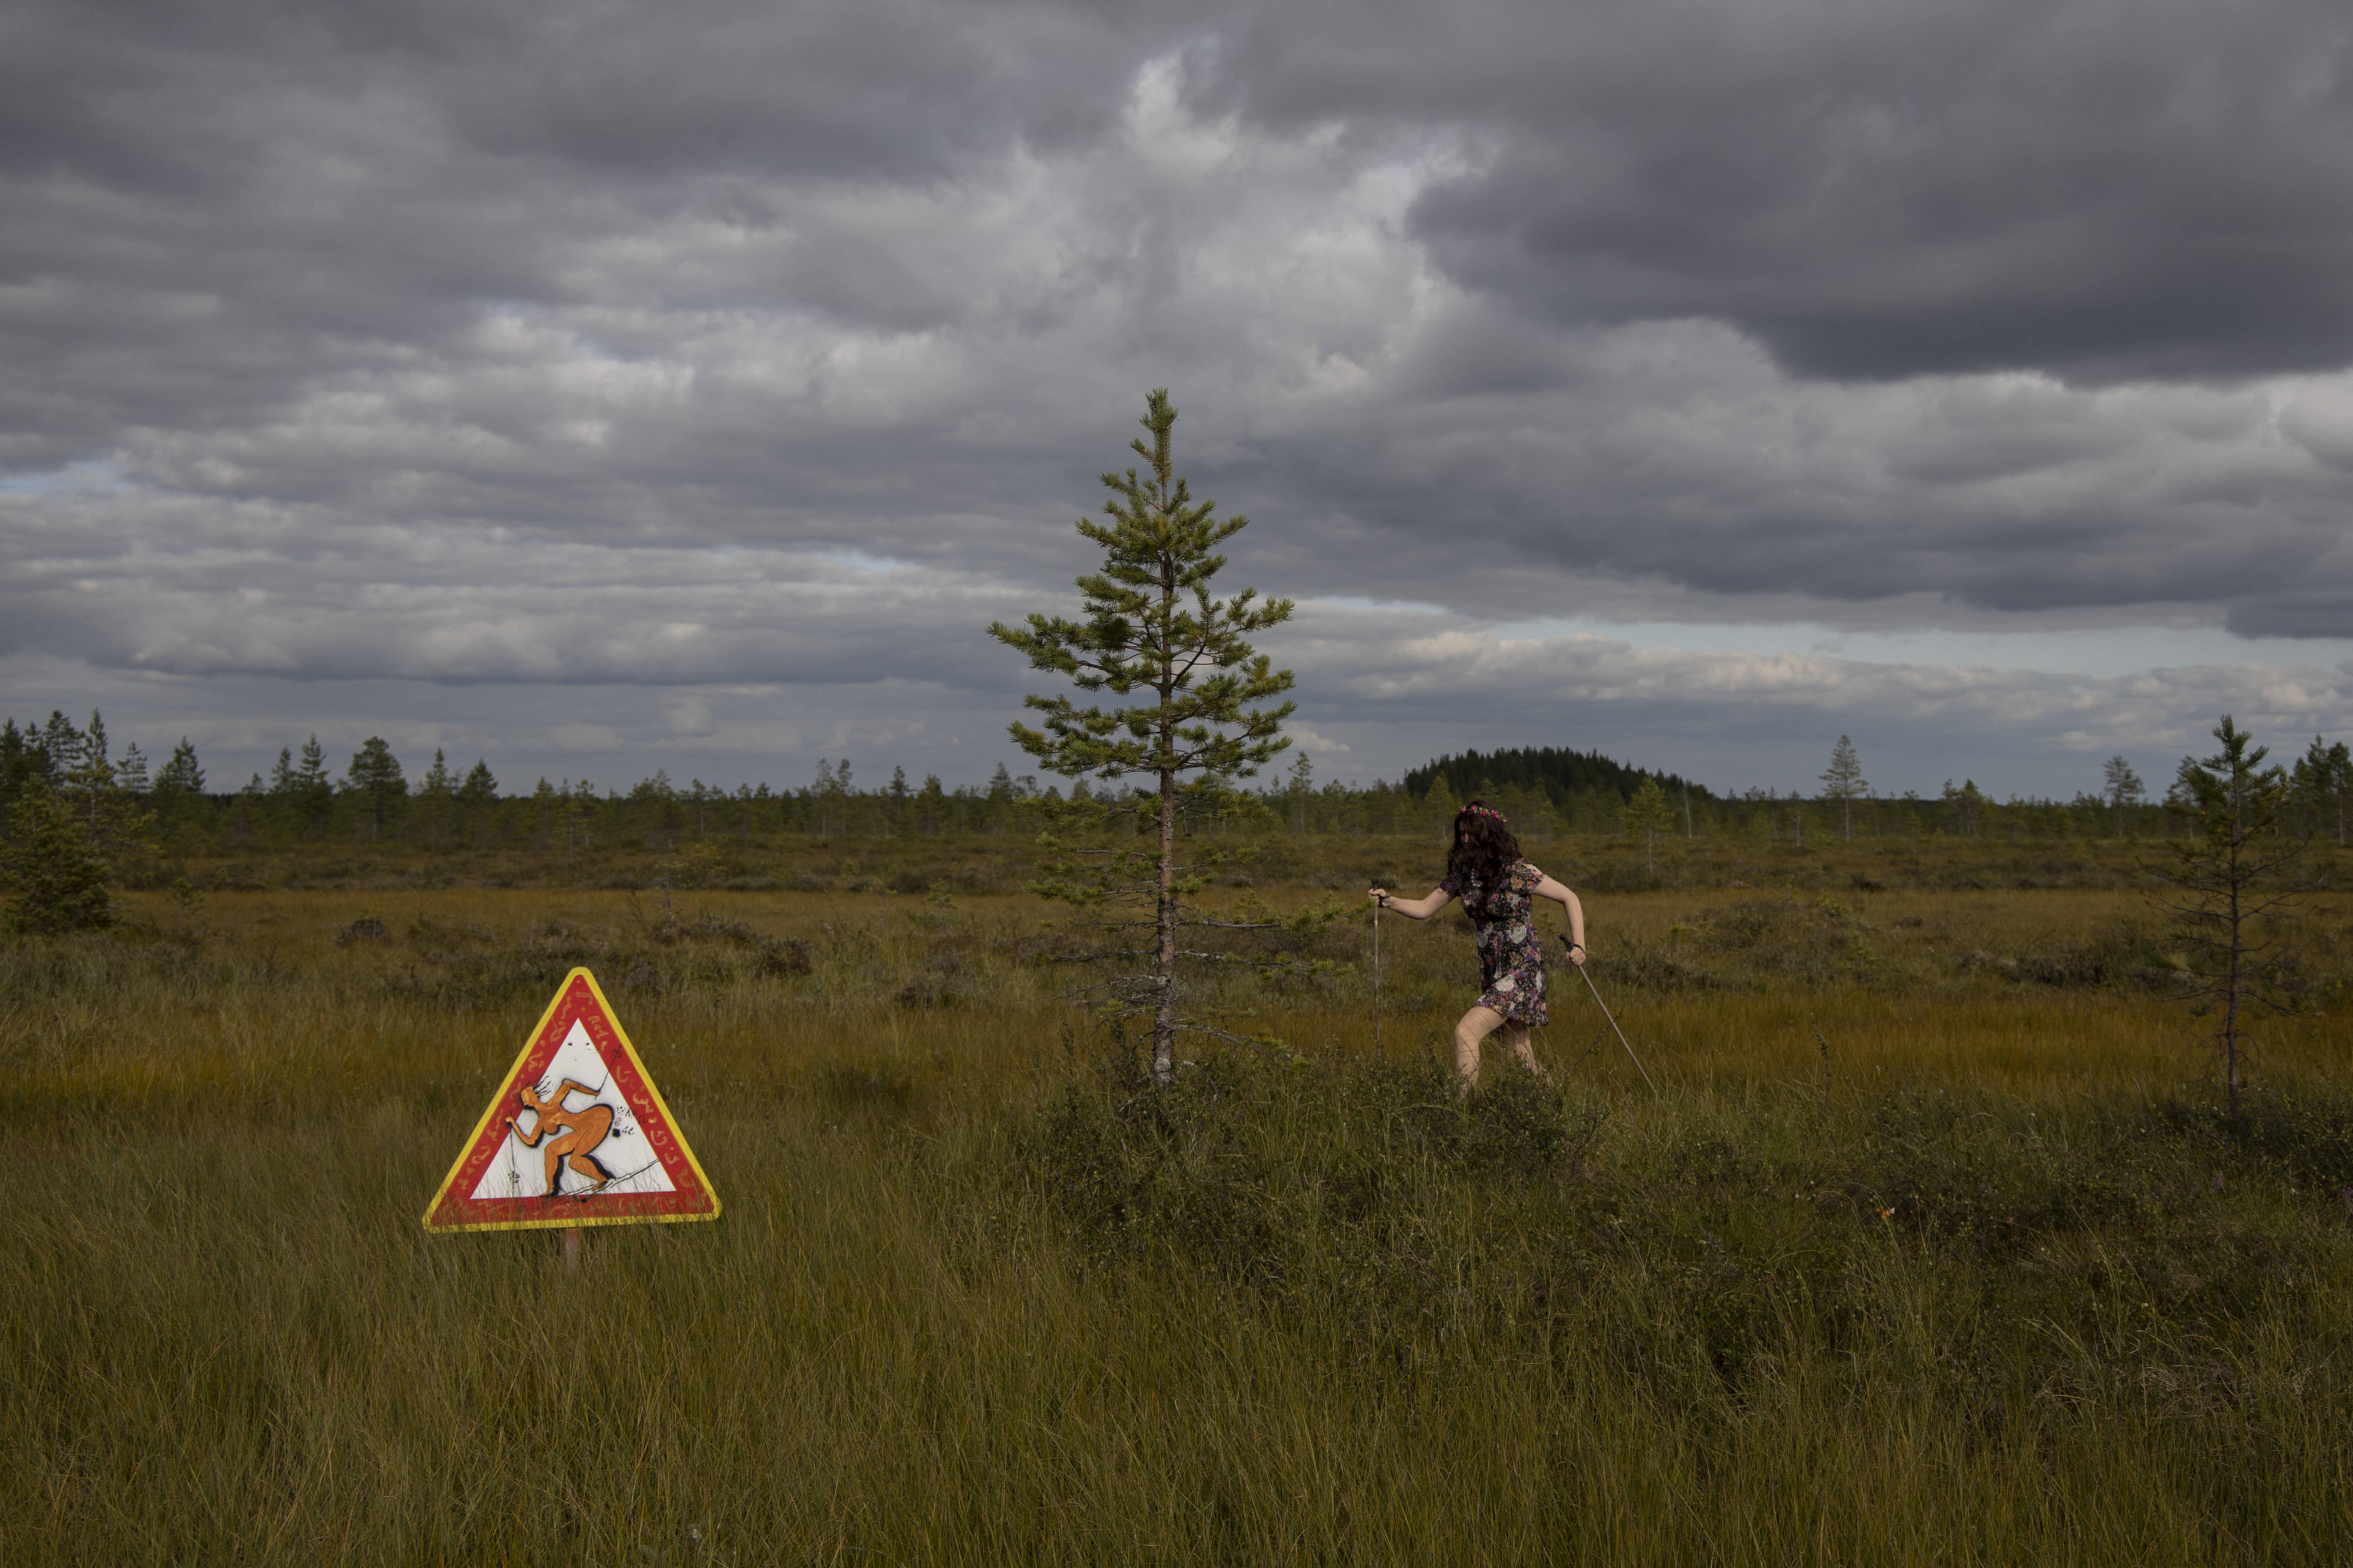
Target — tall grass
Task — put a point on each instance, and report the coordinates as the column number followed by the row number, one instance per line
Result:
column 1917, row 1257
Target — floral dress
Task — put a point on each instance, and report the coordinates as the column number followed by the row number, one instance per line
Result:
column 1511, row 949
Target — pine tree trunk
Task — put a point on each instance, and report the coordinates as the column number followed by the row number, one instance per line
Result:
column 2230, row 997
column 2230, row 1016
column 1164, row 1006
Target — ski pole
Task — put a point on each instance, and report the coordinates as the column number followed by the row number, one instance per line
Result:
column 1376, row 976
column 1613, row 1022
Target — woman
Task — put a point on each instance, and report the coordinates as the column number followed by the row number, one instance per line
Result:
column 1498, row 890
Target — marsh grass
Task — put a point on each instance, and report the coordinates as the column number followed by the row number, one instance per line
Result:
column 1924, row 1259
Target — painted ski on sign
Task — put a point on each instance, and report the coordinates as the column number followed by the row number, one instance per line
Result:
column 576, row 1135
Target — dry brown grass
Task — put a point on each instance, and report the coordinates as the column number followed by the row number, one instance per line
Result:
column 1337, row 1318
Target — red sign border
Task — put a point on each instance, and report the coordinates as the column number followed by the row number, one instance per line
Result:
column 578, row 1000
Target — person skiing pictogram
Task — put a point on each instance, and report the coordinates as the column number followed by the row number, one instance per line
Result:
column 578, row 1132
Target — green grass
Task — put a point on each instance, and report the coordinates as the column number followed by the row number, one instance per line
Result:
column 1960, row 1289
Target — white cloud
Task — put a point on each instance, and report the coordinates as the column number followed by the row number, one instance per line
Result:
column 1316, row 742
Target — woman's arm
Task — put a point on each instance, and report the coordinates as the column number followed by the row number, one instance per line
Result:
column 1420, row 909
column 1567, row 900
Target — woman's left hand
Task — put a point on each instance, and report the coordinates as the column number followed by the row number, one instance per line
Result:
column 1575, row 951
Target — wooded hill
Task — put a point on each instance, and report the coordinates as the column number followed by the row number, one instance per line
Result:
column 1558, row 772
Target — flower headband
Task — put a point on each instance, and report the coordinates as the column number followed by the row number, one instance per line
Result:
column 1482, row 811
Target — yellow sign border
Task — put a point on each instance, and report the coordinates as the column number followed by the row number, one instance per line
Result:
column 506, row 1087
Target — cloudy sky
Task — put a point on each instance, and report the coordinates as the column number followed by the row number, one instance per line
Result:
column 600, row 386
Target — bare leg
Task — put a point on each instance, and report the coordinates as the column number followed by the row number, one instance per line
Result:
column 1476, row 1025
column 1517, row 1040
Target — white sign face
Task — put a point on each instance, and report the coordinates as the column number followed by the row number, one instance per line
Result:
column 573, row 1130
column 576, row 1134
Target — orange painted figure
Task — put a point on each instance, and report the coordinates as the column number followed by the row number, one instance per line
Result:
column 577, row 1132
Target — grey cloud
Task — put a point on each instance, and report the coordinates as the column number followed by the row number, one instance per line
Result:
column 2011, row 494
column 610, row 734
column 1387, row 682
column 897, row 89
column 2317, row 613
column 2100, row 188
column 439, row 607
column 206, row 213
column 1393, row 687
column 177, row 99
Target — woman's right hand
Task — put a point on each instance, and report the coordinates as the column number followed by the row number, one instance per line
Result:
column 1379, row 894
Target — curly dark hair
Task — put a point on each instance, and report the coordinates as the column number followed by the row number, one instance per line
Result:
column 1483, row 849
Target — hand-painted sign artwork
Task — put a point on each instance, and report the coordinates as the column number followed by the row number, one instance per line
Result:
column 576, row 1135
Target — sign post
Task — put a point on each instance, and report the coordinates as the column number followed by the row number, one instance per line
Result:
column 576, row 1135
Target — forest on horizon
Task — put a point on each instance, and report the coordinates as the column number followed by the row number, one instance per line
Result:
column 1546, row 792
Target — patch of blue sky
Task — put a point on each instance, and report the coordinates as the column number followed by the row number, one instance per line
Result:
column 93, row 476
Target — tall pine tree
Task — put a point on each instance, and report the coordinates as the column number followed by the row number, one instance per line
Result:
column 374, row 779
column 1154, row 630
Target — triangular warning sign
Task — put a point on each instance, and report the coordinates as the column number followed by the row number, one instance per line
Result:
column 576, row 1135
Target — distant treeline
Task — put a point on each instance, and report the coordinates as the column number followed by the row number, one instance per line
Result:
column 1546, row 792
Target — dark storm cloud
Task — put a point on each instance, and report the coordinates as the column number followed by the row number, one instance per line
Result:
column 2100, row 188
column 207, row 209
column 1690, row 462
column 739, row 355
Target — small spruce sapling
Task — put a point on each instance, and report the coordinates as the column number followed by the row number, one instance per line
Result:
column 51, row 862
column 71, row 830
column 2121, row 788
column 1843, row 781
column 374, row 779
column 2225, row 894
column 1646, row 818
column 2323, row 778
